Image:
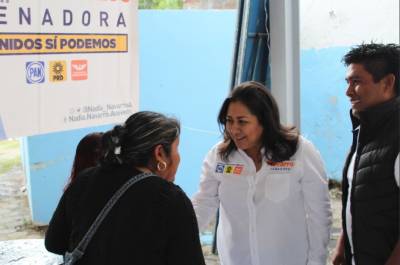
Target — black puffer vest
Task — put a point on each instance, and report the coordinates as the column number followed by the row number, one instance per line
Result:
column 374, row 194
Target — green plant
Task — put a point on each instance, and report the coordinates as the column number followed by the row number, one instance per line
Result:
column 7, row 145
column 9, row 164
column 160, row 4
column 9, row 155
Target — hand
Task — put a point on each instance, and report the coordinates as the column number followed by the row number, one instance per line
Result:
column 337, row 258
column 395, row 256
column 338, row 254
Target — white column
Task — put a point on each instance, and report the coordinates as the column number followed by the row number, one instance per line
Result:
column 285, row 58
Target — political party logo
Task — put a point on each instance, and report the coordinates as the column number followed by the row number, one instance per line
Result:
column 79, row 69
column 57, row 71
column 238, row 170
column 281, row 166
column 219, row 168
column 229, row 168
column 35, row 72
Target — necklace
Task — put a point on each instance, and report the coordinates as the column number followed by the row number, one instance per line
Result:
column 144, row 169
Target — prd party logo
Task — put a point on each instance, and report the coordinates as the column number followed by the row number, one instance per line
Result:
column 58, row 71
column 79, row 69
column 35, row 72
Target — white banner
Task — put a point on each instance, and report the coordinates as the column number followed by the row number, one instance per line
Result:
column 67, row 64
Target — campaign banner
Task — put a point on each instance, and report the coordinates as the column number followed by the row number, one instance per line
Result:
column 67, row 64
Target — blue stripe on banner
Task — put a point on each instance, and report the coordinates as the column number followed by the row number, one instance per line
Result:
column 2, row 132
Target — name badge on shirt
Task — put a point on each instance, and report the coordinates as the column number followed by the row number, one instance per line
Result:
column 281, row 167
column 235, row 169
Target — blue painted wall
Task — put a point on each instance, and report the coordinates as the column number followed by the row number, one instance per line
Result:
column 324, row 106
column 185, row 62
column 47, row 163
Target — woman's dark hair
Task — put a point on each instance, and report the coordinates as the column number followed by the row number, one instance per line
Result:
column 279, row 141
column 133, row 142
column 88, row 153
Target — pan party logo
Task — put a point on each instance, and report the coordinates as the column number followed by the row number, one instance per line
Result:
column 57, row 71
column 35, row 72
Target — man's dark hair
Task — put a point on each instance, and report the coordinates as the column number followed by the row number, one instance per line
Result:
column 378, row 59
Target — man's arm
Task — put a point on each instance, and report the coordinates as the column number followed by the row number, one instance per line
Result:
column 394, row 258
column 338, row 254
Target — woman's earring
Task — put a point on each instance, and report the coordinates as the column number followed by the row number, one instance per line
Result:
column 161, row 166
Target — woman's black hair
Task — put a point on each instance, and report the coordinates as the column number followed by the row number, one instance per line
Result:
column 133, row 142
column 88, row 154
column 279, row 141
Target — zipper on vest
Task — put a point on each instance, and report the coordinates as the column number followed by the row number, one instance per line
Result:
column 356, row 161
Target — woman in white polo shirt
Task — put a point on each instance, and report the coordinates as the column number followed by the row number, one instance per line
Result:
column 269, row 184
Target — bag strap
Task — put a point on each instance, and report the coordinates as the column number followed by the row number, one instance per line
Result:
column 80, row 249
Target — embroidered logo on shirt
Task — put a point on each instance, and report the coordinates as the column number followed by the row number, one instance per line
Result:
column 238, row 170
column 283, row 166
column 229, row 168
column 219, row 168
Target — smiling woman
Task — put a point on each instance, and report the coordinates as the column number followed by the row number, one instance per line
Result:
column 245, row 130
column 269, row 184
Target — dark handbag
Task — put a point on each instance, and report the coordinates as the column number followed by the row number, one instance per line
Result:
column 70, row 258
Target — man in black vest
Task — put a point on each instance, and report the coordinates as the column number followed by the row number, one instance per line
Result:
column 370, row 214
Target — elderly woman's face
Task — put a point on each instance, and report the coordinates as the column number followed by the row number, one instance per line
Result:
column 172, row 162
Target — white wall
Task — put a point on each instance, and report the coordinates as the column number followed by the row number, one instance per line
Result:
column 333, row 23
column 328, row 28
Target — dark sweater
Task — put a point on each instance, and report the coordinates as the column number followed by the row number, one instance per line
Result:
column 153, row 223
column 374, row 193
